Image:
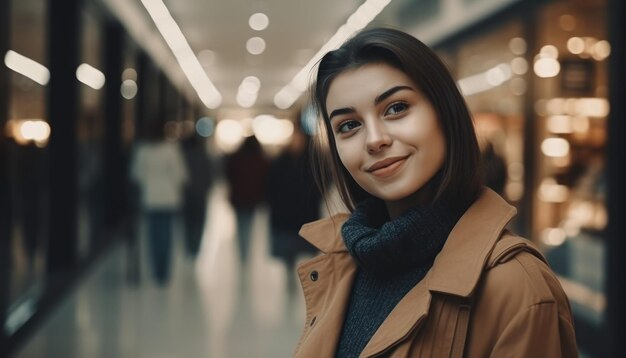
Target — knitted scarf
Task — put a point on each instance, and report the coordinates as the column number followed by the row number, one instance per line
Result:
column 383, row 246
column 393, row 256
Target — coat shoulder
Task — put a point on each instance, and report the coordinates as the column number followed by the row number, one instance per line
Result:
column 523, row 278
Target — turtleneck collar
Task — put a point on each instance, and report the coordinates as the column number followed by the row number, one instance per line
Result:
column 382, row 246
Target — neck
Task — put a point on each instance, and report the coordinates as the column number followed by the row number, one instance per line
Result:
column 396, row 208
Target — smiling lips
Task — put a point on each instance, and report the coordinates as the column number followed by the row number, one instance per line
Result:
column 386, row 167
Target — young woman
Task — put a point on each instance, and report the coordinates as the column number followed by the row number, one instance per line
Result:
column 423, row 266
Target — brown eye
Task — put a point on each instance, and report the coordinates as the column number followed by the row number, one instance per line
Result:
column 347, row 126
column 396, row 108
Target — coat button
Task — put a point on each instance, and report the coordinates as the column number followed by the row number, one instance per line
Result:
column 314, row 275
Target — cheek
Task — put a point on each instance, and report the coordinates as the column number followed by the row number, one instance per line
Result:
column 346, row 154
column 439, row 151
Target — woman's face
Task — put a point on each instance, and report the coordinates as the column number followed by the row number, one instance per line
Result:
column 387, row 133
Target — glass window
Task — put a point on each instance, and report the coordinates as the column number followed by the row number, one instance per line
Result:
column 491, row 72
column 90, row 133
column 28, row 133
column 571, row 107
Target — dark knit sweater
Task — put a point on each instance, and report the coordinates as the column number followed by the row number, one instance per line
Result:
column 392, row 257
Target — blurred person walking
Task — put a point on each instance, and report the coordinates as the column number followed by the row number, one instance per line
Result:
column 158, row 166
column 196, row 191
column 246, row 172
column 293, row 200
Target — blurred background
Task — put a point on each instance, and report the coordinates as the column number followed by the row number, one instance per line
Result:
column 154, row 171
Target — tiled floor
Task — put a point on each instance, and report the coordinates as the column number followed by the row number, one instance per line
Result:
column 211, row 308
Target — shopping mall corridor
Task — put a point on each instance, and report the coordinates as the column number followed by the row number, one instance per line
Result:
column 212, row 306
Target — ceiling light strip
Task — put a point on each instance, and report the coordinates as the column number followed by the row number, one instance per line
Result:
column 169, row 29
column 357, row 21
column 27, row 67
column 486, row 80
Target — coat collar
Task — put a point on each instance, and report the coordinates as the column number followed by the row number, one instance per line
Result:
column 456, row 269
column 458, row 266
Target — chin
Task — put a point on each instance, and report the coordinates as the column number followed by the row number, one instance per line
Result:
column 392, row 196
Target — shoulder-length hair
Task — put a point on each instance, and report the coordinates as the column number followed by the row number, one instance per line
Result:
column 459, row 181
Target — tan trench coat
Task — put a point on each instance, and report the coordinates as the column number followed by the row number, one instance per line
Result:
column 518, row 308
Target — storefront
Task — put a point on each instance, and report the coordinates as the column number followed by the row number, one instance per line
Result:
column 66, row 128
column 536, row 80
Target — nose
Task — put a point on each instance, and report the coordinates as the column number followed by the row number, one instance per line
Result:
column 378, row 137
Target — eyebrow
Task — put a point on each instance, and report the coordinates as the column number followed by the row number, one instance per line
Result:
column 383, row 96
column 388, row 93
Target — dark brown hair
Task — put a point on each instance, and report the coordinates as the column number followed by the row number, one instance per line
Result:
column 459, row 181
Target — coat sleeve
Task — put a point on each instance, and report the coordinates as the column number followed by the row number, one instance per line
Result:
column 538, row 331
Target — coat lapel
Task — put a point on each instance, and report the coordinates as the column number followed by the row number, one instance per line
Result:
column 460, row 263
column 327, row 296
column 456, row 271
column 326, row 301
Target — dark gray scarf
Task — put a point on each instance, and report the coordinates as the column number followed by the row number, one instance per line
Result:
column 383, row 246
column 393, row 256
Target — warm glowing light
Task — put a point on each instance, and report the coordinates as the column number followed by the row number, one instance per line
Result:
column 559, row 124
column 581, row 212
column 517, row 45
column 549, row 51
column 128, row 89
column 258, row 21
column 129, row 74
column 547, row 67
column 498, row 75
column 255, row 45
column 580, row 124
column 576, row 45
column 248, row 91
column 27, row 67
column 589, row 43
column 519, row 65
column 555, row 147
column 25, row 131
column 551, row 192
column 592, row 107
column 35, row 130
column 272, row 131
column 553, row 236
column 561, row 162
column 251, row 84
column 555, row 106
column 90, row 76
column 601, row 50
column 514, row 190
column 228, row 134
column 186, row 58
column 246, row 99
column 286, row 97
column 601, row 218
column 571, row 227
column 485, row 81
column 570, row 106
